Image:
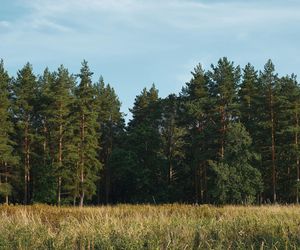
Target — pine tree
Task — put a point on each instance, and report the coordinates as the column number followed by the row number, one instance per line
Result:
column 111, row 123
column 60, row 122
column 172, row 135
column 42, row 168
column 144, row 141
column 248, row 95
column 25, row 91
column 224, row 79
column 198, row 117
column 269, row 80
column 8, row 160
column 88, row 165
column 288, row 99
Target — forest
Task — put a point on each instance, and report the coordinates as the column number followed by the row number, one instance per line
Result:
column 231, row 136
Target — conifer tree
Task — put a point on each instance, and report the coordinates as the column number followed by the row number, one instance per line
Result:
column 235, row 179
column 248, row 98
column 288, row 98
column 173, row 145
column 42, row 168
column 145, row 142
column 224, row 79
column 25, row 91
column 88, row 164
column 269, row 80
column 111, row 123
column 8, row 159
column 60, row 122
column 198, row 117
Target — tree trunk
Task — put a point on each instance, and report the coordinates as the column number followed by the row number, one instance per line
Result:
column 60, row 146
column 201, row 183
column 273, row 148
column 81, row 198
column 6, row 181
column 107, row 179
column 197, row 184
column 107, row 167
column 59, row 191
column 205, row 183
column 169, row 153
column 82, row 161
column 223, row 128
column 26, row 163
column 170, row 179
column 297, row 157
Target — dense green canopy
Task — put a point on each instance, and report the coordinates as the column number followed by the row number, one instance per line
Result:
column 230, row 136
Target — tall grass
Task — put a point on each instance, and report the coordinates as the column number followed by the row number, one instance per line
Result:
column 150, row 227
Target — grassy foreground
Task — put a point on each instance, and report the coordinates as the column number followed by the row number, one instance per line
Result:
column 150, row 227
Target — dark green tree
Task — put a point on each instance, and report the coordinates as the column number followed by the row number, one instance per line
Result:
column 61, row 124
column 248, row 98
column 8, row 159
column 235, row 180
column 224, row 79
column 111, row 125
column 198, row 116
column 288, row 99
column 88, row 145
column 25, row 93
column 173, row 144
column 42, row 167
column 145, row 142
column 268, row 121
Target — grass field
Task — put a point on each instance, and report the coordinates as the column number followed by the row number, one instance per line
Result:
column 150, row 227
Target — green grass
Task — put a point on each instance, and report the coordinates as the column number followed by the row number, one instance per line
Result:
column 150, row 227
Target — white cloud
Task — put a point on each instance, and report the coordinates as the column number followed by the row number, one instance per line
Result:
column 161, row 37
column 190, row 16
column 4, row 24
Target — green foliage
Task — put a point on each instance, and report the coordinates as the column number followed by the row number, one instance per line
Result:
column 5, row 189
column 229, row 137
column 88, row 165
column 236, row 181
column 8, row 158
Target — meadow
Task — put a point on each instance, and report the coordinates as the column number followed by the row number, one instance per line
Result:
column 150, row 227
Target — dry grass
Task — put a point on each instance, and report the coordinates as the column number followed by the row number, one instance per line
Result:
column 150, row 227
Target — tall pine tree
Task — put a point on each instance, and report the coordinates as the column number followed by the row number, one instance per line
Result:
column 88, row 164
column 8, row 160
column 25, row 91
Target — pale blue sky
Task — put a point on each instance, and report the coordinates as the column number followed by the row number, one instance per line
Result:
column 134, row 43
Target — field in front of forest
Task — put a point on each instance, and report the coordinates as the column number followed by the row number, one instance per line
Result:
column 150, row 227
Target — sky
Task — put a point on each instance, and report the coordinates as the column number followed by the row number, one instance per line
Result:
column 134, row 43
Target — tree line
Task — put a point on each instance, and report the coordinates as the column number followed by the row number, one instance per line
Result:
column 230, row 136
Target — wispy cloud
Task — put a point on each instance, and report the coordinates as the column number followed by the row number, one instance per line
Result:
column 136, row 42
column 5, row 24
column 180, row 14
